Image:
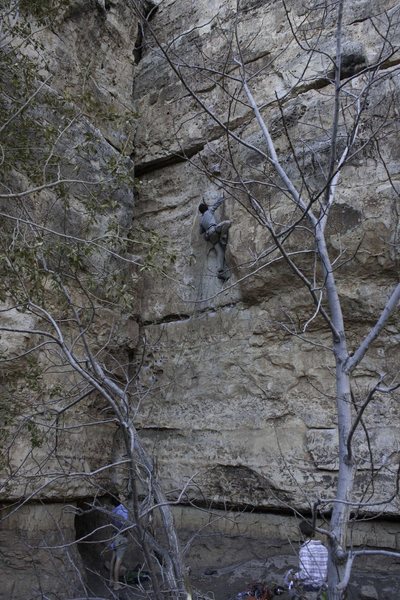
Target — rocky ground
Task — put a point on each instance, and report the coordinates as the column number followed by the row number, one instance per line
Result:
column 221, row 566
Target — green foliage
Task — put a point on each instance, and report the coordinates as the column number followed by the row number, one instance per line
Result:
column 99, row 111
column 36, row 145
column 153, row 248
column 44, row 10
column 59, row 247
column 33, row 374
column 36, row 435
column 9, row 408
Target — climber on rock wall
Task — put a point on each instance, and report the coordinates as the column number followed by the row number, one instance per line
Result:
column 215, row 233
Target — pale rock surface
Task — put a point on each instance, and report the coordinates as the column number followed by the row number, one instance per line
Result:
column 368, row 592
column 87, row 51
column 33, row 563
column 79, row 125
column 235, row 409
column 234, row 403
column 80, row 448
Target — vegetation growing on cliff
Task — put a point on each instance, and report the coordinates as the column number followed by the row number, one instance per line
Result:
column 69, row 301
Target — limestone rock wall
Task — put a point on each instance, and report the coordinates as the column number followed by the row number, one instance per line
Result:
column 86, row 49
column 235, row 410
column 84, row 52
column 33, row 564
column 235, row 406
column 72, row 64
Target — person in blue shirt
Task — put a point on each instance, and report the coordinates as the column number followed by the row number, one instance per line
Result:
column 119, row 543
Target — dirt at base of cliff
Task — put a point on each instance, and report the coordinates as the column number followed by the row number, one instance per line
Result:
column 217, row 582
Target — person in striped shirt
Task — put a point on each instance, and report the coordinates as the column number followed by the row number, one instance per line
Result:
column 313, row 565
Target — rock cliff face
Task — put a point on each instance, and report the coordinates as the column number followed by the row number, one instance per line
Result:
column 236, row 408
column 246, row 408
column 79, row 126
column 236, row 404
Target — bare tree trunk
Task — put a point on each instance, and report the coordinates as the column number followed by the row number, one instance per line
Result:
column 340, row 511
column 135, row 449
column 341, row 507
column 175, row 569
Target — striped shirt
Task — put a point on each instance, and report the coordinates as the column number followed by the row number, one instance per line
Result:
column 313, row 562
